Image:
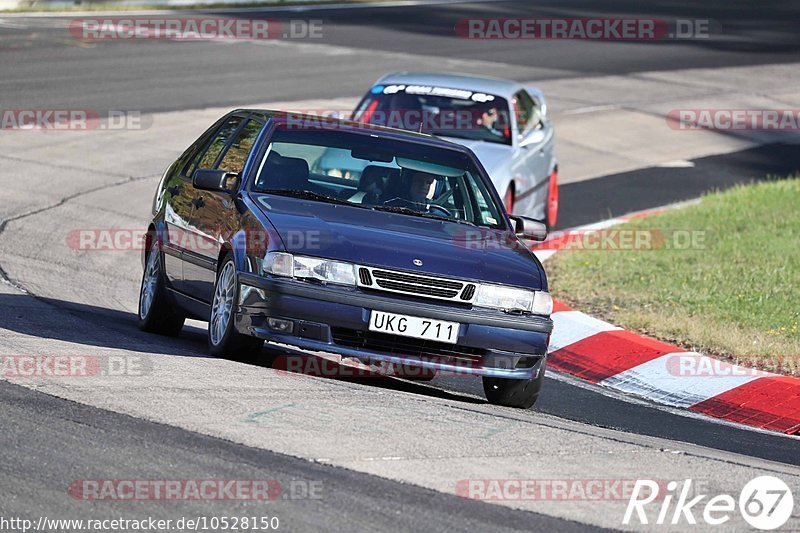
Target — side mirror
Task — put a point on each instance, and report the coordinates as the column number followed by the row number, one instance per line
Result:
column 529, row 228
column 215, row 180
column 532, row 137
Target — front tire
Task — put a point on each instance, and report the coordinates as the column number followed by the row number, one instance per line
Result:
column 520, row 393
column 156, row 315
column 223, row 339
column 508, row 199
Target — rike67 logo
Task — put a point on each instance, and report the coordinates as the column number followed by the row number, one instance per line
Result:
column 765, row 503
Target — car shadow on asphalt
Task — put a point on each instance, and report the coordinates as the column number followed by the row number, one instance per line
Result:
column 84, row 324
column 422, row 389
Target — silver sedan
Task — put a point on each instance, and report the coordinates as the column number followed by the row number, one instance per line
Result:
column 503, row 122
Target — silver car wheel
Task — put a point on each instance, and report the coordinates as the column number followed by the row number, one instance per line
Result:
column 149, row 281
column 222, row 307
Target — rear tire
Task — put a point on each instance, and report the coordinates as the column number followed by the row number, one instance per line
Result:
column 520, row 393
column 551, row 206
column 156, row 315
column 223, row 339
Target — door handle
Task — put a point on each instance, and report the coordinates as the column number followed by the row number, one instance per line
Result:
column 198, row 202
column 174, row 190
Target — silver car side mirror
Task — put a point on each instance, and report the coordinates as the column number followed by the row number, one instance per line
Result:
column 532, row 138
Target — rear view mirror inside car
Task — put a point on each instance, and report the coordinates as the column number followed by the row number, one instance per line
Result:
column 369, row 154
column 430, row 168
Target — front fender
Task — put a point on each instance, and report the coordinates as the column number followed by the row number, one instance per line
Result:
column 253, row 240
column 158, row 228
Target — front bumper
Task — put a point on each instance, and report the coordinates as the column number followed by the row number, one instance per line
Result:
column 332, row 322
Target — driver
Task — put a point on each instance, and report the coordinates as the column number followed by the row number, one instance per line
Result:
column 415, row 191
column 491, row 120
column 419, row 188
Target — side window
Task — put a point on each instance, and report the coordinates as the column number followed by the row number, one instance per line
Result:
column 218, row 144
column 192, row 159
column 212, row 152
column 460, row 203
column 237, row 154
column 523, row 108
column 487, row 214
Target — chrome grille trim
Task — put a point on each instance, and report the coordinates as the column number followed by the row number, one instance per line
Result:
column 412, row 284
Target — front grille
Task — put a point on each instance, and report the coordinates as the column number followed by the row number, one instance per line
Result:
column 416, row 280
column 416, row 285
column 469, row 292
column 364, row 276
column 416, row 289
column 406, row 346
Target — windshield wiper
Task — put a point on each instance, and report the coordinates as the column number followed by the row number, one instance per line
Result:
column 491, row 138
column 311, row 195
column 448, row 133
column 414, row 212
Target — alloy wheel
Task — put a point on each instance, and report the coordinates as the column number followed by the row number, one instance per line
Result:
column 149, row 281
column 222, row 306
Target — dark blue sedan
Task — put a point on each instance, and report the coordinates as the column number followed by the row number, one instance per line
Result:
column 412, row 263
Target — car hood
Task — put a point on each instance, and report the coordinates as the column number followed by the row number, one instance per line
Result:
column 392, row 240
column 493, row 156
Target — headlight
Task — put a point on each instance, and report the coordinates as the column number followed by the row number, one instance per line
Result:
column 512, row 299
column 297, row 266
column 542, row 303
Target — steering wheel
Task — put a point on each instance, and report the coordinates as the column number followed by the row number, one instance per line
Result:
column 441, row 211
column 432, row 208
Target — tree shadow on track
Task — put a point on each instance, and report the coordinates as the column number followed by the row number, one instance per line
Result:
column 613, row 195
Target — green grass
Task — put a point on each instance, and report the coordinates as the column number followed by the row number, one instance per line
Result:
column 736, row 295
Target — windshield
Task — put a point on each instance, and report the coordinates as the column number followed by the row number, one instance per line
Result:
column 437, row 110
column 368, row 172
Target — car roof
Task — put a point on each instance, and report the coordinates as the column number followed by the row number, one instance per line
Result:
column 350, row 126
column 495, row 86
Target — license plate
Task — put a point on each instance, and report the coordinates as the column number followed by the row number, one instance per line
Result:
column 413, row 326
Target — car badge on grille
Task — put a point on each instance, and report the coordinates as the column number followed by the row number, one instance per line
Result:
column 417, row 262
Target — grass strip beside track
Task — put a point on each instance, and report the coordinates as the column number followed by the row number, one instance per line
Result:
column 722, row 276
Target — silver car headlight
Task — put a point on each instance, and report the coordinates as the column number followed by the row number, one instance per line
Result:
column 513, row 299
column 313, row 268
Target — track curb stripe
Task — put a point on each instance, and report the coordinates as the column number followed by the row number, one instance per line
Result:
column 767, row 402
column 601, row 353
column 607, row 354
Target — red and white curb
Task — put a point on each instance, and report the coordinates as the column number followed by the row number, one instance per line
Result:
column 604, row 354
